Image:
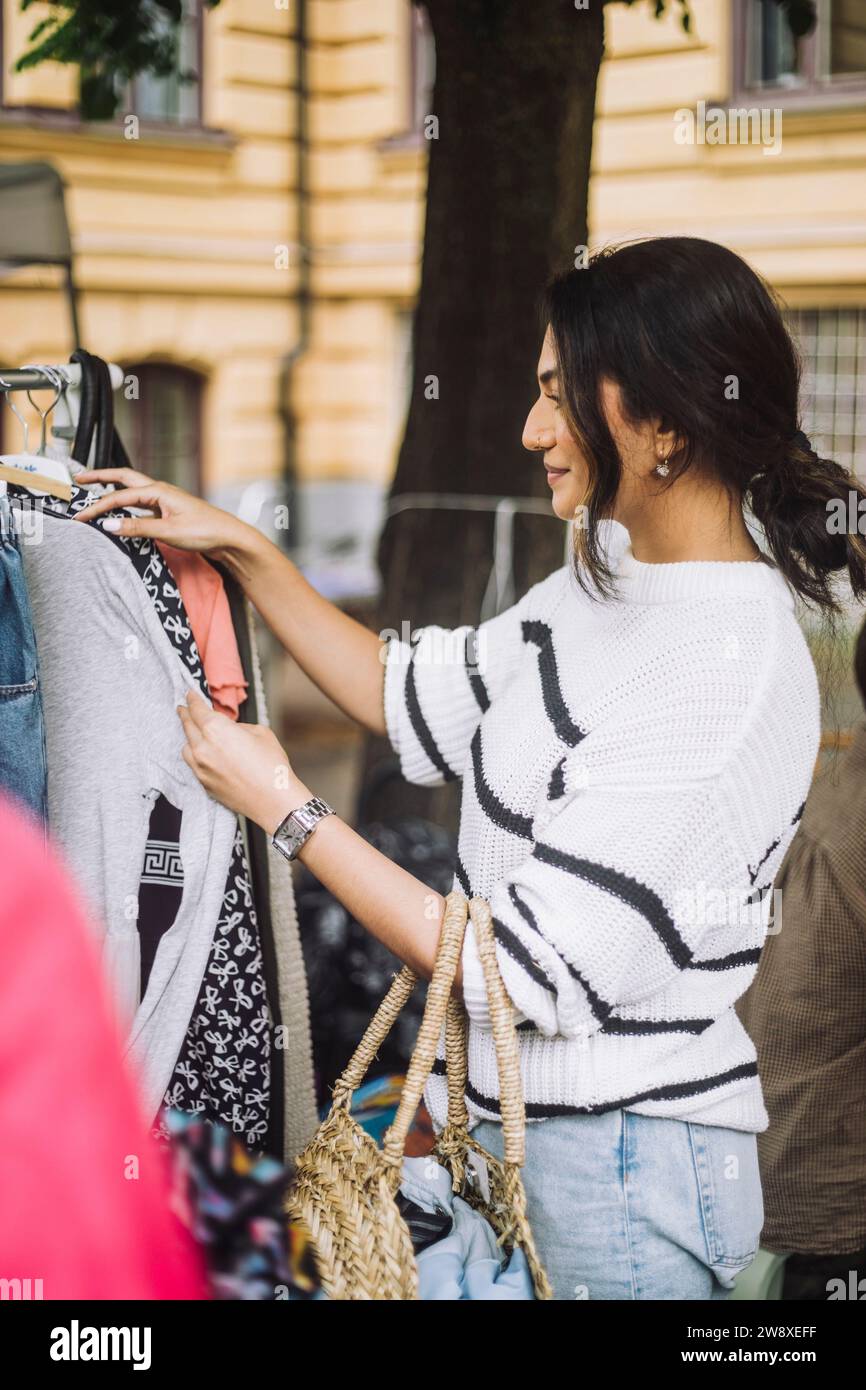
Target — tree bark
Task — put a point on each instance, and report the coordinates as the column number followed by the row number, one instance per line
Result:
column 506, row 206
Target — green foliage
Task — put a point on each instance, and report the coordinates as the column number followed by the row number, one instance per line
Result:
column 111, row 41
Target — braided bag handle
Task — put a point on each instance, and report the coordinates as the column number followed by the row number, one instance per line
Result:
column 504, row 1040
column 383, row 1020
column 512, row 1107
column 424, row 1052
column 375, row 1034
column 455, row 1142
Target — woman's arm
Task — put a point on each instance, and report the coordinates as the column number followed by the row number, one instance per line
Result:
column 244, row 767
column 341, row 656
column 398, row 909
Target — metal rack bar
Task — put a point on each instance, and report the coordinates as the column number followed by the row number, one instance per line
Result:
column 464, row 501
column 499, row 592
column 34, row 379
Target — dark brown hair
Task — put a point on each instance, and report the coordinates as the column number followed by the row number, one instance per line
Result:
column 693, row 336
column 860, row 661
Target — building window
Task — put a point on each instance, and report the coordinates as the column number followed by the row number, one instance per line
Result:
column 423, row 69
column 771, row 53
column 416, row 76
column 168, row 100
column 832, row 344
column 844, row 39
column 161, row 429
column 825, row 68
column 402, row 363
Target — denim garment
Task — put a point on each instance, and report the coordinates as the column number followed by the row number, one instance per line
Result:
column 23, row 767
column 466, row 1263
column 626, row 1206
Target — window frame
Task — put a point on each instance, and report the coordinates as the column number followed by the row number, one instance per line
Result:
column 195, row 382
column 196, row 122
column 410, row 135
column 814, row 93
column 420, row 21
column 71, row 116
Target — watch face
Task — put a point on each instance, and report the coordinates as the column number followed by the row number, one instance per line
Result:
column 290, row 836
column 299, row 825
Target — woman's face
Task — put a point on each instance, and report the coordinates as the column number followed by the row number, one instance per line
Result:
column 547, row 435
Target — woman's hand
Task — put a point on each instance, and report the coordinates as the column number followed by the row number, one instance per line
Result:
column 240, row 765
column 177, row 518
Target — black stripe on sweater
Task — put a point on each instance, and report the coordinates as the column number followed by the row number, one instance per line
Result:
column 476, row 681
column 601, row 1009
column 636, row 1027
column 515, row 948
column 536, row 1110
column 774, row 845
column 551, row 691
column 731, row 962
column 556, row 785
column 628, row 890
column 489, row 802
column 757, row 895
column 422, row 728
column 644, row 1027
column 462, row 877
column 753, row 873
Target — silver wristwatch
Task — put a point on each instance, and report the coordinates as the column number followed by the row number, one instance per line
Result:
column 299, row 825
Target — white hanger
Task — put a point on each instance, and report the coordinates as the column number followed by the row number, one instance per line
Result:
column 37, row 472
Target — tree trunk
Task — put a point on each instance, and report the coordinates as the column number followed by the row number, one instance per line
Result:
column 506, row 206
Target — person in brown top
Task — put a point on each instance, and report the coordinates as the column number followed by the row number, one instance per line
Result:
column 806, row 1013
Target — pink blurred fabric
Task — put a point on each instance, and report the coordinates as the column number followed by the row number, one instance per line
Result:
column 205, row 600
column 70, row 1128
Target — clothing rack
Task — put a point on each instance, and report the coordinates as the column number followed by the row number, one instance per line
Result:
column 290, row 1110
column 500, row 590
column 38, row 378
column 64, row 410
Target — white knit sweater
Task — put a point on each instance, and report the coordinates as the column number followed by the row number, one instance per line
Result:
column 633, row 772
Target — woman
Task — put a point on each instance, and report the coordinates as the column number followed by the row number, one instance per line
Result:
column 636, row 739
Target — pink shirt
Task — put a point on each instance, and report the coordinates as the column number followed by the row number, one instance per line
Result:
column 84, row 1201
column 204, row 598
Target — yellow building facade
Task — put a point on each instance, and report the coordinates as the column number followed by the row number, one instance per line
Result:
column 294, row 176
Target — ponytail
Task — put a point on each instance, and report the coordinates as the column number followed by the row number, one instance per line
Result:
column 810, row 510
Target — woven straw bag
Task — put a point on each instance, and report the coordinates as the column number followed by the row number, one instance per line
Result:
column 345, row 1185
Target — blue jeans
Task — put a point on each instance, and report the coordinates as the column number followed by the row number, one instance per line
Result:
column 626, row 1206
column 23, row 772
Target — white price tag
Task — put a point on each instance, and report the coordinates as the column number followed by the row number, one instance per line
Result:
column 477, row 1175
